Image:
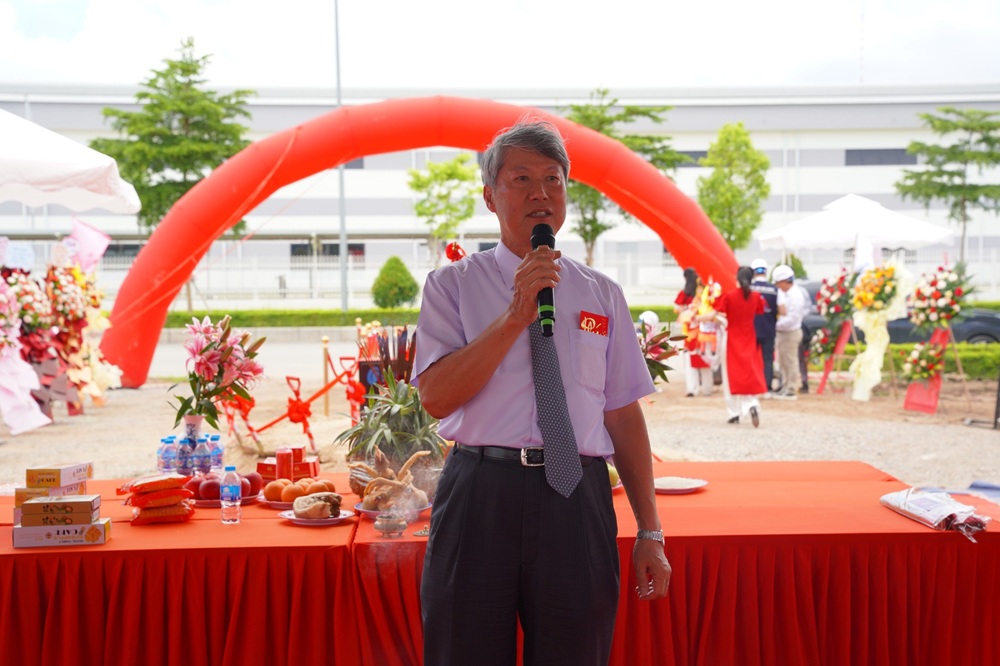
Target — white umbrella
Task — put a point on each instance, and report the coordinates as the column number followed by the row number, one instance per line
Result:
column 837, row 226
column 38, row 167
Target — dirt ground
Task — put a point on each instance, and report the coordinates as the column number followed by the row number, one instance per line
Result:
column 121, row 436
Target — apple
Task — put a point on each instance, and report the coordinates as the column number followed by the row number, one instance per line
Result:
column 245, row 487
column 613, row 475
column 256, row 483
column 209, row 489
column 193, row 485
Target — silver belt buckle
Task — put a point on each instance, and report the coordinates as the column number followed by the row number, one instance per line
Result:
column 524, row 456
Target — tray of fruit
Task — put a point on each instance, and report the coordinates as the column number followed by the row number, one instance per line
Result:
column 282, row 493
column 206, row 489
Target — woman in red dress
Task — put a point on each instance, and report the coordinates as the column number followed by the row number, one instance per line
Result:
column 742, row 371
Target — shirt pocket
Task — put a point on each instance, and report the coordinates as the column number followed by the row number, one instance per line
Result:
column 589, row 359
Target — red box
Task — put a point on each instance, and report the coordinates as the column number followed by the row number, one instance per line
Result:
column 298, row 452
column 308, row 468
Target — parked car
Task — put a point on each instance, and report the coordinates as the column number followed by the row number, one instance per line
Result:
column 977, row 326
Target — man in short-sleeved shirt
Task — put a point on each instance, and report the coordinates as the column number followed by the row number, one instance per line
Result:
column 504, row 546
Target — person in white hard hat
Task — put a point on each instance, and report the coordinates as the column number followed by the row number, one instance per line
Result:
column 792, row 308
column 764, row 323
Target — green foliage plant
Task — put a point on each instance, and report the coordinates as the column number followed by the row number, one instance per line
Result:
column 178, row 136
column 952, row 169
column 394, row 421
column 448, row 193
column 733, row 194
column 394, row 285
column 604, row 115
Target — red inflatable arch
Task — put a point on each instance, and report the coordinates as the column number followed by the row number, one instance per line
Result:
column 234, row 189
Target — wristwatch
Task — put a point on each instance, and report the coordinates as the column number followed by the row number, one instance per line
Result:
column 655, row 535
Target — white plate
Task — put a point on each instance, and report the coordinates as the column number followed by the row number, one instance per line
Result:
column 677, row 485
column 409, row 515
column 215, row 504
column 317, row 522
column 275, row 504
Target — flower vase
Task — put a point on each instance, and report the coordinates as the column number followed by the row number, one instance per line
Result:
column 192, row 426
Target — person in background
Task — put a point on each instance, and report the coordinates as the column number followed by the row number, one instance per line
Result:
column 792, row 308
column 742, row 376
column 697, row 373
column 507, row 543
column 764, row 322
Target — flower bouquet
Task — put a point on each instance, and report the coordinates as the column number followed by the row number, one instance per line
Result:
column 821, row 345
column 835, row 297
column 875, row 288
column 656, row 349
column 924, row 362
column 35, row 313
column 939, row 297
column 220, row 365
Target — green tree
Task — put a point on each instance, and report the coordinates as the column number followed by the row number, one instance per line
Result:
column 180, row 134
column 732, row 195
column 394, row 286
column 448, row 192
column 605, row 116
column 970, row 146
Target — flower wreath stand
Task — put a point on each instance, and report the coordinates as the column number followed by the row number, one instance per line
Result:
column 924, row 396
column 846, row 333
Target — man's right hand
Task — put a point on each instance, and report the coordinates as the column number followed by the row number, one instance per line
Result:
column 539, row 269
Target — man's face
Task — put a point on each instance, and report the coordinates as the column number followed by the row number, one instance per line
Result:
column 530, row 189
column 784, row 285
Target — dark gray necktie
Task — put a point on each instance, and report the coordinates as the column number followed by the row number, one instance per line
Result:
column 562, row 459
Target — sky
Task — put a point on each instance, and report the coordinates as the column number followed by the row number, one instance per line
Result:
column 451, row 45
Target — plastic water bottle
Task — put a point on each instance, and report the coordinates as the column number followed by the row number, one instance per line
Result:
column 185, row 462
column 229, row 492
column 170, row 455
column 216, row 447
column 202, row 456
column 161, row 455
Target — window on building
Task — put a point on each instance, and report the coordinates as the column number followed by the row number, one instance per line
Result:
column 123, row 250
column 354, row 250
column 878, row 157
column 695, row 155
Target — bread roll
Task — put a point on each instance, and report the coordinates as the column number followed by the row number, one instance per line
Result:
column 317, row 505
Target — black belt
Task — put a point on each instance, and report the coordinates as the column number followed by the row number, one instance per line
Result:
column 533, row 456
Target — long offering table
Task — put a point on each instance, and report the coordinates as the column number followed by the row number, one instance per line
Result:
column 774, row 563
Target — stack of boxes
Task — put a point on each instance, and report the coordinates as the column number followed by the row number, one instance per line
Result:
column 54, row 508
column 302, row 467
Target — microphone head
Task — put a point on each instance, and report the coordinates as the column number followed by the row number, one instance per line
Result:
column 542, row 234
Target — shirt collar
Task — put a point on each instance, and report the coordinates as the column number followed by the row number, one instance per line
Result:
column 507, row 262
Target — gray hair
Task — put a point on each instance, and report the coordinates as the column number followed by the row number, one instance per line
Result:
column 539, row 136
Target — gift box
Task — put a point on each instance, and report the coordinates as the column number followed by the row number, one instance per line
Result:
column 307, row 468
column 91, row 534
column 58, row 506
column 59, row 475
column 40, row 519
column 22, row 495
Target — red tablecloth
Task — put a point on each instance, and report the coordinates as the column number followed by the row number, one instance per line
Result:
column 774, row 563
column 195, row 593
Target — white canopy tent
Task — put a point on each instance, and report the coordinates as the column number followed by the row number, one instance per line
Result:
column 840, row 222
column 39, row 167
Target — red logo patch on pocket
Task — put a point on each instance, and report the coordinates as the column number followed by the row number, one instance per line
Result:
column 593, row 323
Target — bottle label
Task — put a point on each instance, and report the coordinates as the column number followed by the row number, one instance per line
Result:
column 229, row 493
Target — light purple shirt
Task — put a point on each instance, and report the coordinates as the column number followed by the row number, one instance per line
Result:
column 600, row 372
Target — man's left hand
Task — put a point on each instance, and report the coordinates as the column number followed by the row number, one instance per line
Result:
column 652, row 571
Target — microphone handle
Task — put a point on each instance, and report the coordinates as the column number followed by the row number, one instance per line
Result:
column 546, row 311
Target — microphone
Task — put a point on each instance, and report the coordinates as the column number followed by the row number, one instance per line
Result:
column 542, row 235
